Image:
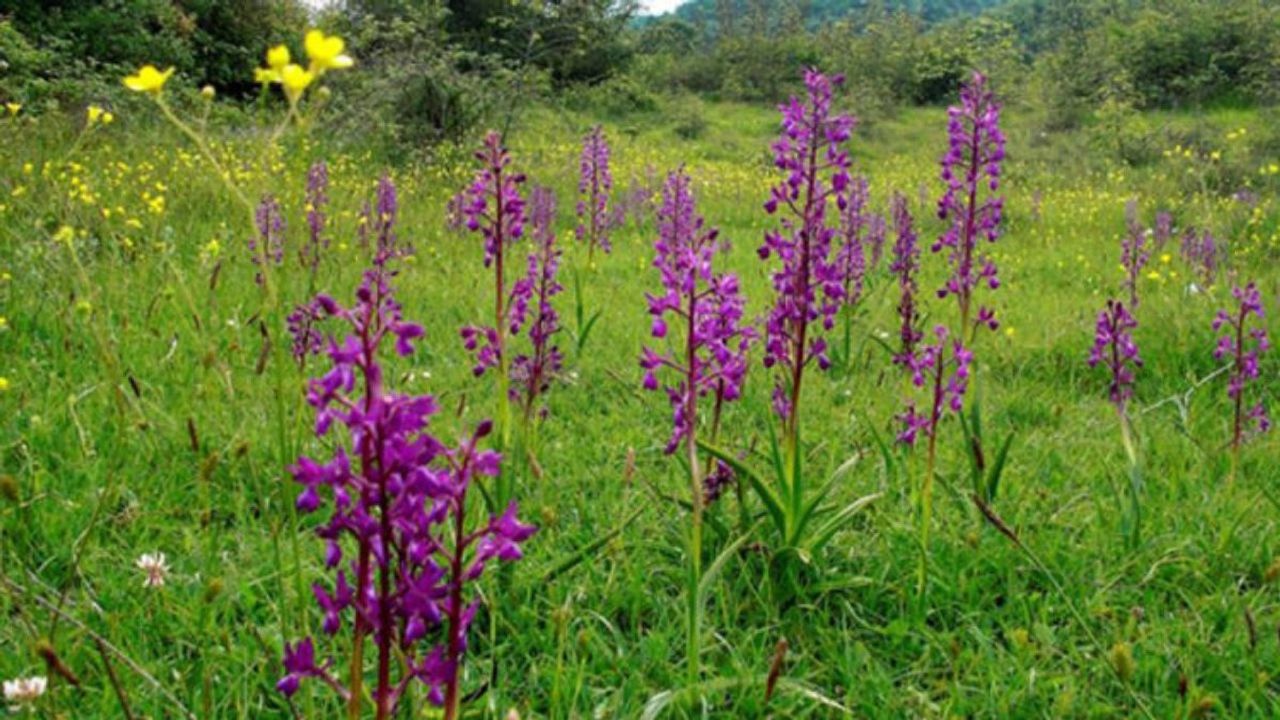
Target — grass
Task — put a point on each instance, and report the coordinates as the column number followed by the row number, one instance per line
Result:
column 143, row 413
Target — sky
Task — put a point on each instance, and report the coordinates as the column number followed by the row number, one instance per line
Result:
column 660, row 6
column 654, row 7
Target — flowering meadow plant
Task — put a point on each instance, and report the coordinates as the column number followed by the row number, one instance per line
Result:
column 532, row 372
column 904, row 267
column 701, row 312
column 809, row 285
column 317, row 199
column 972, row 211
column 595, row 184
column 1114, row 348
column 1135, row 251
column 397, row 537
column 496, row 210
column 1241, row 346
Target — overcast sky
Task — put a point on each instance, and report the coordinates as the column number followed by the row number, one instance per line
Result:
column 660, row 6
column 649, row 6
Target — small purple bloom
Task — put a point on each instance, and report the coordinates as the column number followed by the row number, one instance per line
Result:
column 943, row 366
column 1115, row 349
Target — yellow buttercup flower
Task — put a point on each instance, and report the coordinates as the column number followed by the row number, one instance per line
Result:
column 265, row 76
column 108, row 118
column 148, row 79
column 13, row 108
column 278, row 57
column 295, row 81
column 325, row 52
column 93, row 113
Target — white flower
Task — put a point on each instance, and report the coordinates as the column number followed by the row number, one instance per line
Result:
column 24, row 692
column 156, row 568
column 1193, row 289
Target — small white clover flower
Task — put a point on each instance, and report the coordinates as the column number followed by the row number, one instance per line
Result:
column 156, row 568
column 23, row 692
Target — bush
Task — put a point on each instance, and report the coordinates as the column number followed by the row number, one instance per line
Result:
column 690, row 117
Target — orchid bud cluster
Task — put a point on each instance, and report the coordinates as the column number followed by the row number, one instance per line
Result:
column 809, row 284
column 1242, row 346
column 595, row 183
column 971, row 172
column 1115, row 349
column 397, row 536
column 705, row 305
column 943, row 366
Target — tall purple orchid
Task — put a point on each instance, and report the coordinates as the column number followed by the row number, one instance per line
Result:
column 533, row 372
column 496, row 210
column 398, row 497
column 595, row 183
column 709, row 361
column 266, row 248
column 1204, row 255
column 905, row 266
column 1115, row 349
column 942, row 366
column 317, row 200
column 1242, row 346
column 943, row 369
column 854, row 235
column 971, row 172
column 708, row 306
column 809, row 283
column 1134, row 251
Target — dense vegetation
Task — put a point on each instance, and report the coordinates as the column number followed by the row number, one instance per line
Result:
column 525, row 359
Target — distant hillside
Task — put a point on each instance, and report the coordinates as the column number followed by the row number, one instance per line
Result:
column 751, row 13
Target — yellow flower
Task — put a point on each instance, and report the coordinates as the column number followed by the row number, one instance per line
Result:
column 326, row 53
column 265, row 76
column 208, row 92
column 295, row 81
column 108, row 118
column 13, row 108
column 278, row 57
column 4, row 384
column 65, row 234
column 148, row 79
column 94, row 114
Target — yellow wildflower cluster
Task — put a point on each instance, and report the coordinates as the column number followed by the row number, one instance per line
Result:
column 324, row 52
